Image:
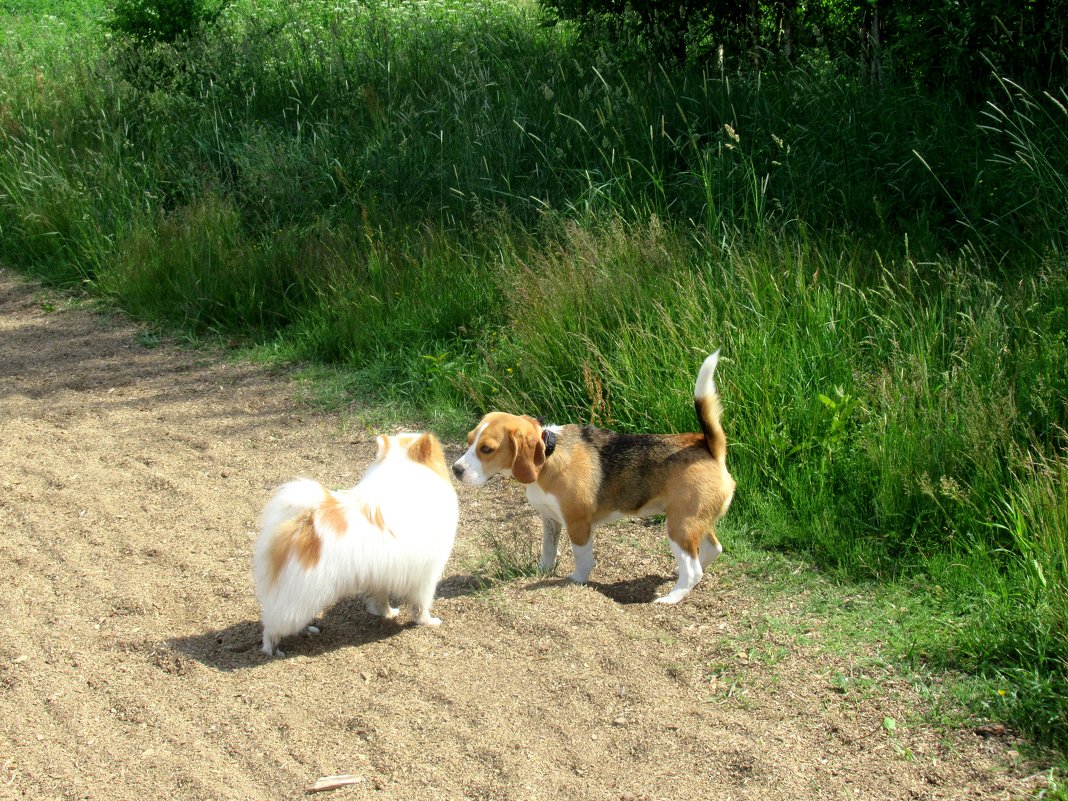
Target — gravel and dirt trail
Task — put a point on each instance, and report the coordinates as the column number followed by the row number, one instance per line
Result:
column 131, row 478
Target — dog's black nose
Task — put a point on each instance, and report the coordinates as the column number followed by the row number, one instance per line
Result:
column 458, row 470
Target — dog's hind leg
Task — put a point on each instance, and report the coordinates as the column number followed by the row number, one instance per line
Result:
column 378, row 604
column 419, row 596
column 272, row 638
column 286, row 621
column 687, row 559
column 709, row 550
column 421, row 610
column 581, row 537
column 550, row 544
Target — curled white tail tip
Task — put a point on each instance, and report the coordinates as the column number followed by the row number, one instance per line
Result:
column 705, row 385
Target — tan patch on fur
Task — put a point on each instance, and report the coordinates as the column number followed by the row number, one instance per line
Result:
column 375, row 518
column 428, row 451
column 709, row 410
column 529, row 452
column 572, row 476
column 704, row 490
column 332, row 515
column 296, row 536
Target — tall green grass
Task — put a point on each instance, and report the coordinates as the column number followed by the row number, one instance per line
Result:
column 451, row 112
column 464, row 212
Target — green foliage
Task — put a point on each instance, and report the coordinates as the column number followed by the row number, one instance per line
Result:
column 161, row 21
column 1025, row 632
column 198, row 269
column 660, row 28
column 935, row 44
column 962, row 44
column 1034, row 159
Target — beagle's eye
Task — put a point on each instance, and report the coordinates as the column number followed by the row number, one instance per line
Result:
column 486, row 449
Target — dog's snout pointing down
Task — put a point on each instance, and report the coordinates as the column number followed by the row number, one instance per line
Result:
column 458, row 470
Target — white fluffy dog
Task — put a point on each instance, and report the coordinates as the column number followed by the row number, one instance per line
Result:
column 389, row 536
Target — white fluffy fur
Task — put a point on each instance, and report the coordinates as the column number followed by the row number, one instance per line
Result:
column 403, row 562
column 705, row 386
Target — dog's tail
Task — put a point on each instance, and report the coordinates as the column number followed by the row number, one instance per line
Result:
column 293, row 499
column 706, row 402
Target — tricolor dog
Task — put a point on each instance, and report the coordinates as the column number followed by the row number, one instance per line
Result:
column 388, row 537
column 578, row 477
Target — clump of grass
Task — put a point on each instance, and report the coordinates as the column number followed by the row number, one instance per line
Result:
column 508, row 552
column 212, row 274
column 1023, row 639
column 1033, row 163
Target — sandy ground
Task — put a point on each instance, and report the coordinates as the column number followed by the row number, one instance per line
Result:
column 131, row 478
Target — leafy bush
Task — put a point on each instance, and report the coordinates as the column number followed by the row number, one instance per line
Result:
column 942, row 44
column 161, row 21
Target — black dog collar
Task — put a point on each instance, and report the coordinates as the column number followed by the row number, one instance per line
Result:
column 548, row 437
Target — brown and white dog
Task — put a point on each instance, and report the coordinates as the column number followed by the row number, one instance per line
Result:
column 580, row 476
column 388, row 537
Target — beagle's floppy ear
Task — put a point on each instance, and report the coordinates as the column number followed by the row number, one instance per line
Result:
column 529, row 456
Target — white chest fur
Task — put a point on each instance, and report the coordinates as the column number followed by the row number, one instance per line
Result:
column 544, row 503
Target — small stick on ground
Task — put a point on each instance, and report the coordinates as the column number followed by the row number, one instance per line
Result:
column 332, row 782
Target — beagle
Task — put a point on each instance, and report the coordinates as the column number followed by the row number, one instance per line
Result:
column 579, row 477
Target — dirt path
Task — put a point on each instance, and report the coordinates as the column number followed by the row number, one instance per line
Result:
column 130, row 482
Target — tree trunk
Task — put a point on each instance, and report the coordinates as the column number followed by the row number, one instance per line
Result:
column 754, row 29
column 786, row 14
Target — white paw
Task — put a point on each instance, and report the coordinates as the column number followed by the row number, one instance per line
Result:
column 313, row 630
column 578, row 578
column 672, row 597
column 546, row 567
column 382, row 610
column 428, row 621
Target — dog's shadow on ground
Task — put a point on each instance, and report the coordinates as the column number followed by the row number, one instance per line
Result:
column 640, row 590
column 237, row 647
column 459, row 585
column 347, row 624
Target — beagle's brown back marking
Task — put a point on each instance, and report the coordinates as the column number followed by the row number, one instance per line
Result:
column 635, row 468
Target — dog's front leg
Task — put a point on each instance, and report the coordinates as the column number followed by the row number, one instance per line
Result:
column 550, row 544
column 581, row 537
